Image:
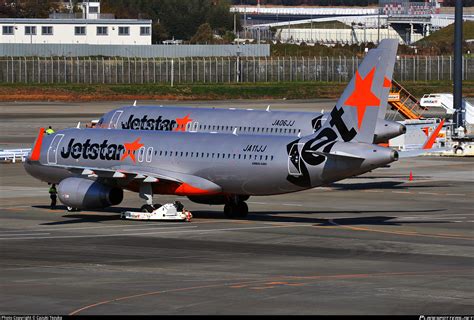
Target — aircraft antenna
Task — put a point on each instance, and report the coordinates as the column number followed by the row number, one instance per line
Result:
column 268, row 108
column 78, row 125
column 135, row 103
column 234, row 132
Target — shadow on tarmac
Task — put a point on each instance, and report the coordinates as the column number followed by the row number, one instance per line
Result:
column 262, row 216
column 384, row 185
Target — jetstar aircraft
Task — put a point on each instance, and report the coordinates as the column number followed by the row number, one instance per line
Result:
column 93, row 167
column 176, row 118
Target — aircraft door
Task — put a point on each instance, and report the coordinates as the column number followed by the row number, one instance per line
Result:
column 115, row 118
column 52, row 156
column 294, row 159
column 195, row 127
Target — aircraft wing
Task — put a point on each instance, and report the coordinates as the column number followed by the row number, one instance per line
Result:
column 186, row 184
column 190, row 183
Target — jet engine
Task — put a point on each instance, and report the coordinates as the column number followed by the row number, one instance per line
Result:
column 87, row 194
column 386, row 130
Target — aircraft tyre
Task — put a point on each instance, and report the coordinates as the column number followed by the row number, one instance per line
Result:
column 147, row 208
column 229, row 211
column 239, row 210
column 242, row 209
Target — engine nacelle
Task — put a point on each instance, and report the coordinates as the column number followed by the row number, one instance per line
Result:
column 216, row 200
column 386, row 130
column 87, row 194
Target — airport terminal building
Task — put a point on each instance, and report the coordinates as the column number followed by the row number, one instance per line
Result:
column 89, row 27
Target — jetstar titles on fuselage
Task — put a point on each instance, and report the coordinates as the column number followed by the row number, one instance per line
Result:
column 145, row 123
column 102, row 151
column 160, row 124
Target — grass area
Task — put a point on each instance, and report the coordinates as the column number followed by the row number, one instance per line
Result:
column 446, row 35
column 281, row 90
column 441, row 42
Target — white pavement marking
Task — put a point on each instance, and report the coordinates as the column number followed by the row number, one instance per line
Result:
column 183, row 227
column 282, row 204
column 28, row 234
column 292, row 204
column 15, row 207
column 86, row 228
column 146, row 233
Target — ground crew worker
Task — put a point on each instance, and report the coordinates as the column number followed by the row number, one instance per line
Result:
column 49, row 130
column 53, row 194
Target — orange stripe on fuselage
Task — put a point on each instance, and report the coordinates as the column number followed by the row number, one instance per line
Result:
column 186, row 189
column 174, row 188
column 35, row 154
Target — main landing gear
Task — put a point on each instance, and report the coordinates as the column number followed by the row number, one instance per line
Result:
column 146, row 193
column 237, row 209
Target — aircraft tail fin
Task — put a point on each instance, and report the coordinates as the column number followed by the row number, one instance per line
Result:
column 365, row 98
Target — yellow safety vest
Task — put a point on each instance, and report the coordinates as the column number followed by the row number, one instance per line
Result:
column 49, row 131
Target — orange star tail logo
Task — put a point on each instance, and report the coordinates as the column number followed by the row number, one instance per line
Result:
column 386, row 83
column 182, row 122
column 362, row 96
column 130, row 148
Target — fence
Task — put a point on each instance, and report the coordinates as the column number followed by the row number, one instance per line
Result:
column 215, row 70
column 142, row 51
column 12, row 155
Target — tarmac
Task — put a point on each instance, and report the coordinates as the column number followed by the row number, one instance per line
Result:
column 374, row 244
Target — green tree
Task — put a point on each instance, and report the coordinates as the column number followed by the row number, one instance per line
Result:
column 203, row 35
column 178, row 19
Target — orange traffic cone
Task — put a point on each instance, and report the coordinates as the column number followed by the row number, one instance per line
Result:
column 411, row 176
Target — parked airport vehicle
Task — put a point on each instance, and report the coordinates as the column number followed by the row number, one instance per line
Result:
column 167, row 212
column 93, row 167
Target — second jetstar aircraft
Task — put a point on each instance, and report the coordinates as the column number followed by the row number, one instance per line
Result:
column 219, row 168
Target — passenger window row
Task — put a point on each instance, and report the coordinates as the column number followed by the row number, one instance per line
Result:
column 201, row 155
column 247, row 129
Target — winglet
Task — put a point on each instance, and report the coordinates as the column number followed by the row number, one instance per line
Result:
column 35, row 154
column 431, row 139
